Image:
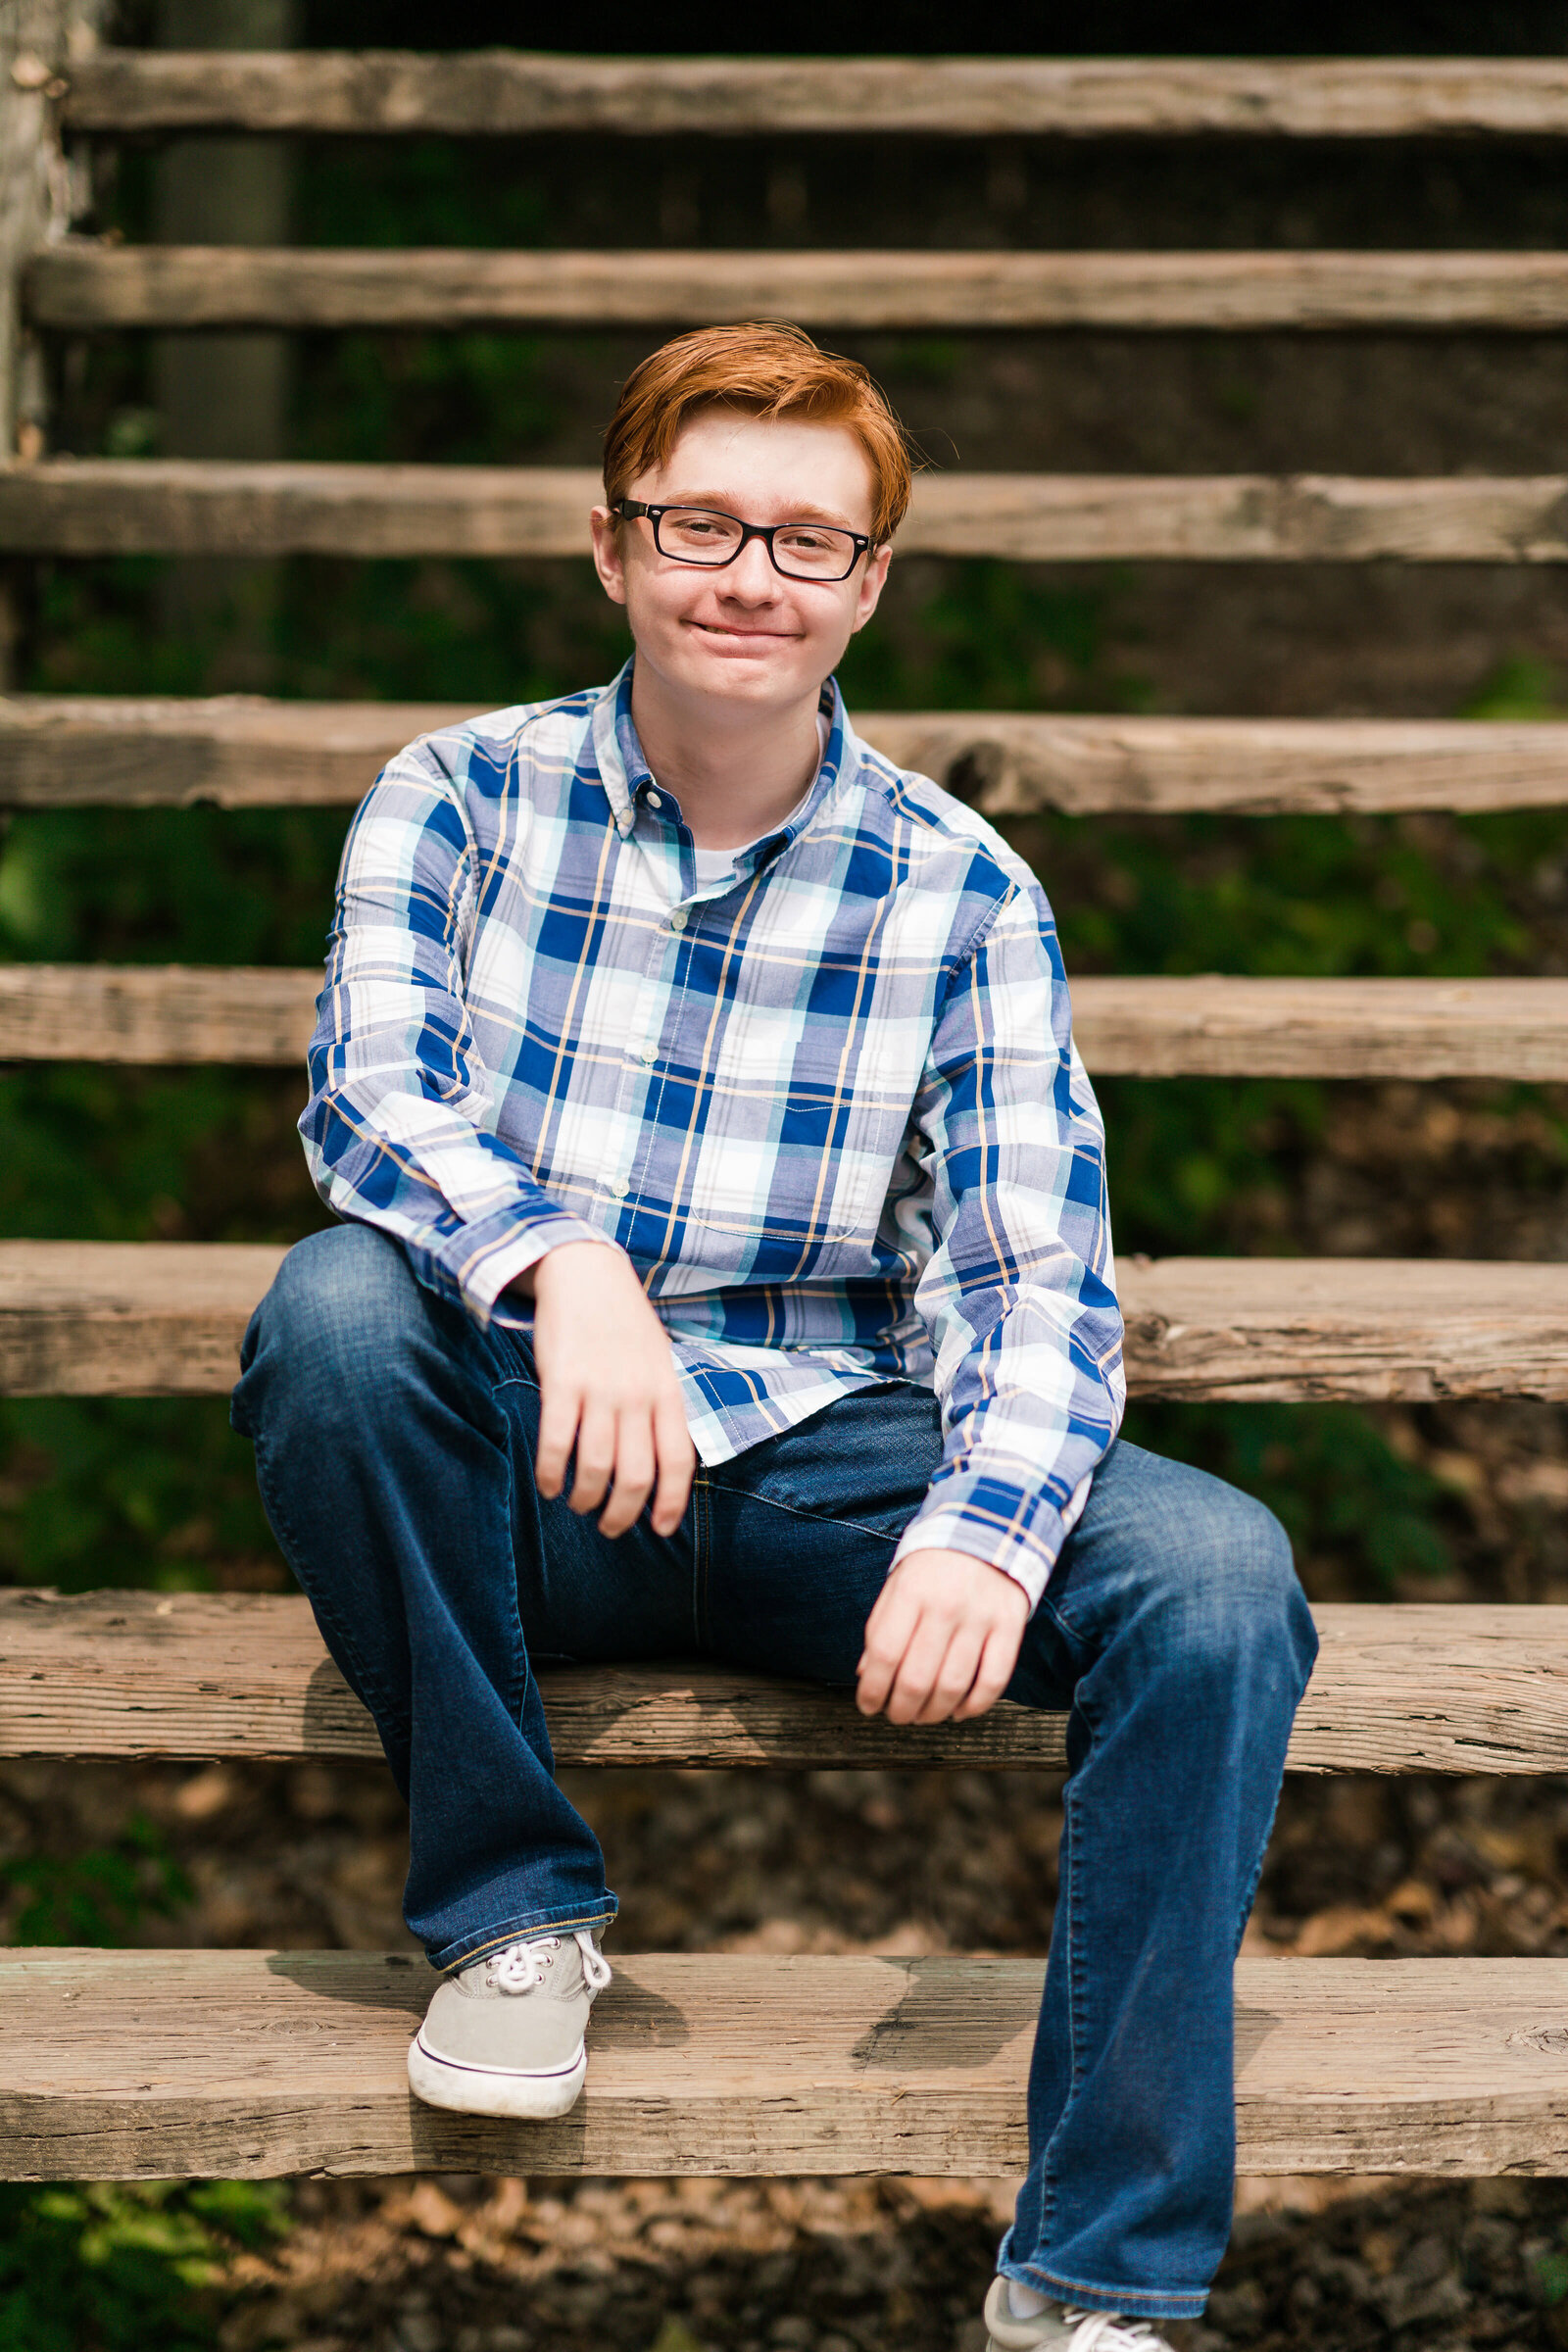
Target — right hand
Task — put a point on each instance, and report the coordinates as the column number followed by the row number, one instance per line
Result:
column 608, row 1389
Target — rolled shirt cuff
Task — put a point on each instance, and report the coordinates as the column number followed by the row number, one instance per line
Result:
column 1019, row 1530
column 482, row 1270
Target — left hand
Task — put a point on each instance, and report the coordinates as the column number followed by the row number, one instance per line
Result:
column 943, row 1639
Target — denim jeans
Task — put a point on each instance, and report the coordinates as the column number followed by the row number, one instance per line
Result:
column 394, row 1447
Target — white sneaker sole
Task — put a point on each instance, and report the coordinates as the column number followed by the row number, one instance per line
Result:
column 493, row 2090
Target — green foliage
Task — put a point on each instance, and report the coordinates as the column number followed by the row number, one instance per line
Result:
column 125, row 1490
column 122, row 2267
column 96, row 1897
column 1325, row 1470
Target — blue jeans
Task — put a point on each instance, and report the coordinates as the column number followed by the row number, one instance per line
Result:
column 394, row 1447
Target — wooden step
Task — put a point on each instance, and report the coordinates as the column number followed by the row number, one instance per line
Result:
column 221, row 506
column 244, row 752
column 82, row 285
column 1163, row 1027
column 165, row 1318
column 1416, row 1687
column 139, row 2065
column 497, row 92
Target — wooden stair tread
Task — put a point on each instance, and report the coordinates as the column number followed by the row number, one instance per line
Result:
column 1414, row 1686
column 494, row 93
column 235, row 507
column 165, row 1318
column 1207, row 1025
column 244, row 751
column 143, row 2064
column 81, row 283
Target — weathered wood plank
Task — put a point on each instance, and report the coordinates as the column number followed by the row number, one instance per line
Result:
column 165, row 1318
column 154, row 1013
column 82, row 284
column 135, row 2065
column 243, row 751
column 499, row 92
column 1164, row 1027
column 183, row 506
column 1409, row 1687
column 1222, row 1027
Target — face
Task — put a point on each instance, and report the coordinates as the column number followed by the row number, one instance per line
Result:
column 745, row 636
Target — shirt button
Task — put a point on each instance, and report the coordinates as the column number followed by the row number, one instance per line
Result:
column 619, row 1189
column 648, row 1053
column 677, row 921
column 654, row 801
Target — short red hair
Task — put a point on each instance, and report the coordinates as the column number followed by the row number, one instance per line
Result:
column 768, row 371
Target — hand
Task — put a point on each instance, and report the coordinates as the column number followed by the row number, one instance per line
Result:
column 943, row 1639
column 607, row 1389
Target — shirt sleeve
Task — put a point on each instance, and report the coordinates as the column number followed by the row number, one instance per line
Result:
column 1019, row 1295
column 400, row 1128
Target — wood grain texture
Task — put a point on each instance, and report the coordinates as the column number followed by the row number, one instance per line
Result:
column 136, row 2065
column 155, row 1013
column 79, row 285
column 187, row 505
column 499, row 93
column 165, row 1318
column 1408, row 1688
column 1156, row 1028
column 243, row 751
column 1223, row 1027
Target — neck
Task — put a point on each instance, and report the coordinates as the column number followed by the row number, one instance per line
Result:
column 736, row 773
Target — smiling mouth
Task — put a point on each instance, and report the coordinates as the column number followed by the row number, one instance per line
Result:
column 719, row 628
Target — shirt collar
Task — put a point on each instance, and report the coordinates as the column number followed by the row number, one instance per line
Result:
column 623, row 769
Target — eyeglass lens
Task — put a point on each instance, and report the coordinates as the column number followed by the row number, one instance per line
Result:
column 808, row 550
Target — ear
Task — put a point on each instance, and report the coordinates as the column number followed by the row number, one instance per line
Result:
column 609, row 561
column 872, row 581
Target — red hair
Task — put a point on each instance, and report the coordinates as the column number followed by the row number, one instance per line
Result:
column 768, row 371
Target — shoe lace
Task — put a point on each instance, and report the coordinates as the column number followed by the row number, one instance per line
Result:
column 1103, row 2332
column 523, row 1966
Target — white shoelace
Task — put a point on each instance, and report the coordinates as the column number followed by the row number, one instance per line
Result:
column 1103, row 2332
column 522, row 1966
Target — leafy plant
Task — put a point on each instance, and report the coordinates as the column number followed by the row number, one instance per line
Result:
column 122, row 2266
column 96, row 1897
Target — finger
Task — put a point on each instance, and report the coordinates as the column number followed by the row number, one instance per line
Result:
column 634, row 1474
column 994, row 1673
column 596, row 1457
column 919, row 1666
column 887, row 1633
column 560, row 1409
column 954, row 1675
column 677, row 1465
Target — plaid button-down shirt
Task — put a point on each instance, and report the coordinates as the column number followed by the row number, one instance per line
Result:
column 830, row 1107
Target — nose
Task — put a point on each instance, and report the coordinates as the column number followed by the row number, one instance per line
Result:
column 751, row 576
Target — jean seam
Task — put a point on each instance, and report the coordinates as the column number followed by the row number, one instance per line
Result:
column 1132, row 2300
column 1077, row 2023
column 523, row 1929
column 798, row 1510
column 701, row 1548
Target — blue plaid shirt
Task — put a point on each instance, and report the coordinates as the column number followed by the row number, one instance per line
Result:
column 830, row 1107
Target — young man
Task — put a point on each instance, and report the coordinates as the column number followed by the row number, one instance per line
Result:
column 727, row 1272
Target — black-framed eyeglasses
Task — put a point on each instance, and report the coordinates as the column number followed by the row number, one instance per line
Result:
column 705, row 536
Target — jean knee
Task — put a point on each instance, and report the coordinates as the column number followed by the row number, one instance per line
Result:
column 1241, row 1598
column 330, row 1327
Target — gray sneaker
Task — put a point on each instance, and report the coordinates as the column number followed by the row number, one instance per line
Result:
column 504, row 2035
column 1060, row 2329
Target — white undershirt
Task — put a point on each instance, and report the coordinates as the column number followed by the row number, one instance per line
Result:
column 716, row 866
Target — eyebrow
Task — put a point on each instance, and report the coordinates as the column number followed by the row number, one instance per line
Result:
column 721, row 502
